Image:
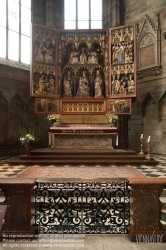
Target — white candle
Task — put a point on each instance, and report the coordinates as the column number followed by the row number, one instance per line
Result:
column 142, row 136
column 149, row 137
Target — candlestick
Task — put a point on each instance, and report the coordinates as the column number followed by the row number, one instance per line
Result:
column 141, row 139
column 148, row 157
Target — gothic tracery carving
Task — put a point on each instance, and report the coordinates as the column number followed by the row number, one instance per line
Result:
column 148, row 48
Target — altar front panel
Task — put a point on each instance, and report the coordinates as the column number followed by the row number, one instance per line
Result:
column 84, row 138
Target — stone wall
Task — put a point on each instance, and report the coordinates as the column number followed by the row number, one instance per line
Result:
column 150, row 89
column 17, row 109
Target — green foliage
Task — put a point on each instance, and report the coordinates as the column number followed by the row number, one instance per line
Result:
column 52, row 118
column 113, row 119
column 27, row 136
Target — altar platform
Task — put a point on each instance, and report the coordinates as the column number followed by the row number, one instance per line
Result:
column 82, row 144
column 76, row 155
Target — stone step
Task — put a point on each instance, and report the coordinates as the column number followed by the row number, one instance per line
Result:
column 79, row 156
column 42, row 161
column 81, row 151
column 82, row 156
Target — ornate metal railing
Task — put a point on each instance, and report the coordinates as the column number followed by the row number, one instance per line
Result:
column 82, row 207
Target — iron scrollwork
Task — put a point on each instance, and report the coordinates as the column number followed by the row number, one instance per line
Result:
column 77, row 207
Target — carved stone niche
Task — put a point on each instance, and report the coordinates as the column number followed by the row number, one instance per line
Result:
column 162, row 100
column 148, row 48
column 149, row 98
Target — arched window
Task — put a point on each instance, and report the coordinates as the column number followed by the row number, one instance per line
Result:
column 15, row 20
column 83, row 14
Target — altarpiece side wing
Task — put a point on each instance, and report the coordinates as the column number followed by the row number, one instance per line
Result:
column 43, row 68
column 122, row 57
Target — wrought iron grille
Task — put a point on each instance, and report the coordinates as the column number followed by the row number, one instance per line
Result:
column 87, row 208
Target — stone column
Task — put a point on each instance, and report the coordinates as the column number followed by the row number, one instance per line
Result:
column 38, row 14
column 123, row 131
column 54, row 14
column 107, row 13
column 59, row 14
column 113, row 13
column 116, row 13
column 50, row 13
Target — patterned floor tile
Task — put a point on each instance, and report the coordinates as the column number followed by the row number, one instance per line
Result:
column 158, row 171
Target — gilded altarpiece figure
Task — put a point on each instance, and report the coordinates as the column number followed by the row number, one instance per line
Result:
column 43, row 72
column 122, row 55
column 83, row 62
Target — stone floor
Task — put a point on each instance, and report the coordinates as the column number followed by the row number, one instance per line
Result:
column 85, row 242
column 159, row 170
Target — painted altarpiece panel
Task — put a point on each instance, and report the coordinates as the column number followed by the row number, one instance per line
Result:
column 119, row 106
column 46, row 105
column 43, row 66
column 122, row 57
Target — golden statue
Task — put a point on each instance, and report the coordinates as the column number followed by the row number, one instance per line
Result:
column 83, row 87
column 67, row 85
column 98, row 88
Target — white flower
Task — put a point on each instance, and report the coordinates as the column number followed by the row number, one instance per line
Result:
column 112, row 119
column 52, row 117
column 27, row 137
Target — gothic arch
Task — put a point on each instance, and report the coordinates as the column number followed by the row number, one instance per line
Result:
column 136, row 107
column 146, row 99
column 4, row 121
column 3, row 98
column 31, row 117
column 162, row 100
column 16, row 116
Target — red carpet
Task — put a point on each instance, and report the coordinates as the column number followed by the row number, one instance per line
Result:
column 81, row 171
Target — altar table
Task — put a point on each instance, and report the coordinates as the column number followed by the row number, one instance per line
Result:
column 84, row 137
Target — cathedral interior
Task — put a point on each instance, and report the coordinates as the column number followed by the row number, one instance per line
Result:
column 94, row 103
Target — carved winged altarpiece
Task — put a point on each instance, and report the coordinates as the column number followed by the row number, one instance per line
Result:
column 83, row 71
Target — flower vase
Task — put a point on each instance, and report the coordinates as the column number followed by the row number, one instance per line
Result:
column 27, row 150
column 114, row 124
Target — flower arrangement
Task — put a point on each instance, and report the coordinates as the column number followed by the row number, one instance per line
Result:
column 113, row 119
column 27, row 136
column 52, row 118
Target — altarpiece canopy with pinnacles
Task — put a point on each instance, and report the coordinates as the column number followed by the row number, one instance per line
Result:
column 83, row 71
